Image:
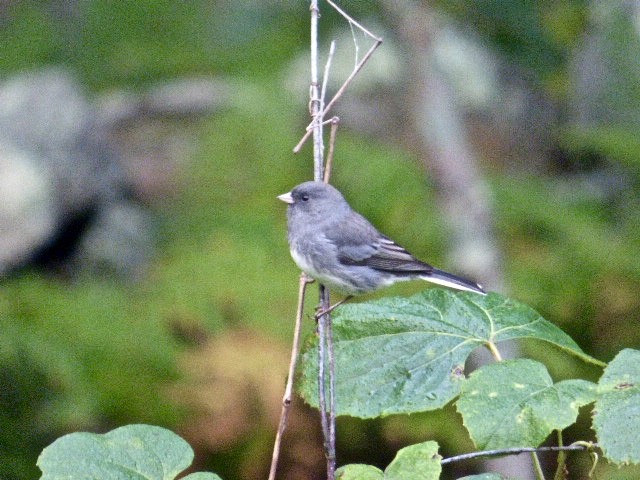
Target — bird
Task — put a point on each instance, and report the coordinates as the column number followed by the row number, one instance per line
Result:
column 341, row 249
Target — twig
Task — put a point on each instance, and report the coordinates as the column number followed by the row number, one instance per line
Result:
column 335, row 121
column 318, row 112
column 352, row 21
column 516, row 451
column 356, row 70
column 327, row 67
column 327, row 415
column 316, row 101
column 288, row 391
column 327, row 418
column 339, row 93
column 331, row 460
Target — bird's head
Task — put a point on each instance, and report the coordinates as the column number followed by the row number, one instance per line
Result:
column 317, row 200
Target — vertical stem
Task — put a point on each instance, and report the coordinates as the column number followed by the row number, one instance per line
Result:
column 562, row 460
column 332, row 145
column 322, row 397
column 537, row 467
column 327, row 415
column 288, row 391
column 316, row 102
column 331, row 443
column 325, row 348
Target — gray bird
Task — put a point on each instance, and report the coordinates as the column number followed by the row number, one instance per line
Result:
column 337, row 246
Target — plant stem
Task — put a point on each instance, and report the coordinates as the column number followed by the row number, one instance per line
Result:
column 494, row 351
column 325, row 345
column 519, row 450
column 537, row 466
column 288, row 391
column 327, row 415
column 316, row 101
column 562, row 460
column 332, row 143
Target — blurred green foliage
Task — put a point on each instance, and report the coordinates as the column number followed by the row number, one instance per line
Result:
column 139, row 41
column 92, row 353
column 535, row 35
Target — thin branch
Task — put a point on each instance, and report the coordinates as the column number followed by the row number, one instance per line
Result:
column 350, row 78
column 331, row 451
column 317, row 113
column 327, row 415
column 316, row 101
column 352, row 21
column 515, row 451
column 327, row 67
column 335, row 121
column 339, row 93
column 288, row 391
column 356, row 70
column 355, row 44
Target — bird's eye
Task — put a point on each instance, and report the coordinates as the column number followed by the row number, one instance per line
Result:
column 305, row 198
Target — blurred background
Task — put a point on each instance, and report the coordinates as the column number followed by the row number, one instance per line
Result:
column 144, row 270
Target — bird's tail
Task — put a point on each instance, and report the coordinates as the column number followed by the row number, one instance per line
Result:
column 449, row 280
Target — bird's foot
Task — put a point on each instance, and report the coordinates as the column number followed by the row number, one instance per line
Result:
column 320, row 312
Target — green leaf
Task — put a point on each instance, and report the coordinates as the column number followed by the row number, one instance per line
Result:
column 359, row 472
column 616, row 418
column 415, row 462
column 202, row 476
column 404, row 355
column 516, row 404
column 484, row 476
column 133, row 452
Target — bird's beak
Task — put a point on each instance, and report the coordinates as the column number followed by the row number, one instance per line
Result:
column 286, row 198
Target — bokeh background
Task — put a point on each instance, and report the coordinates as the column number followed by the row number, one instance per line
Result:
column 144, row 270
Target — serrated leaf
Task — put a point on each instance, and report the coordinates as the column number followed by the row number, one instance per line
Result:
column 516, row 404
column 415, row 462
column 616, row 418
column 405, row 355
column 359, row 472
column 134, row 452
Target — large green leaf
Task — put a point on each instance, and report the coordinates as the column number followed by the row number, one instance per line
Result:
column 134, row 452
column 415, row 462
column 404, row 355
column 358, row 471
column 516, row 404
column 485, row 476
column 616, row 418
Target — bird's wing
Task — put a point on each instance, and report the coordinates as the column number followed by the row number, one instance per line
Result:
column 391, row 257
column 359, row 243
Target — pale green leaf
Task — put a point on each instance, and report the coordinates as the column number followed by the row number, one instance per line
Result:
column 202, row 476
column 415, row 462
column 133, row 452
column 516, row 404
column 616, row 418
column 359, row 472
column 404, row 355
column 485, row 476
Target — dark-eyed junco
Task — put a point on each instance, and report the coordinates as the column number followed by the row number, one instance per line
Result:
column 337, row 246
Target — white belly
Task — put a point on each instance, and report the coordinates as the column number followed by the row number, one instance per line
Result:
column 323, row 277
